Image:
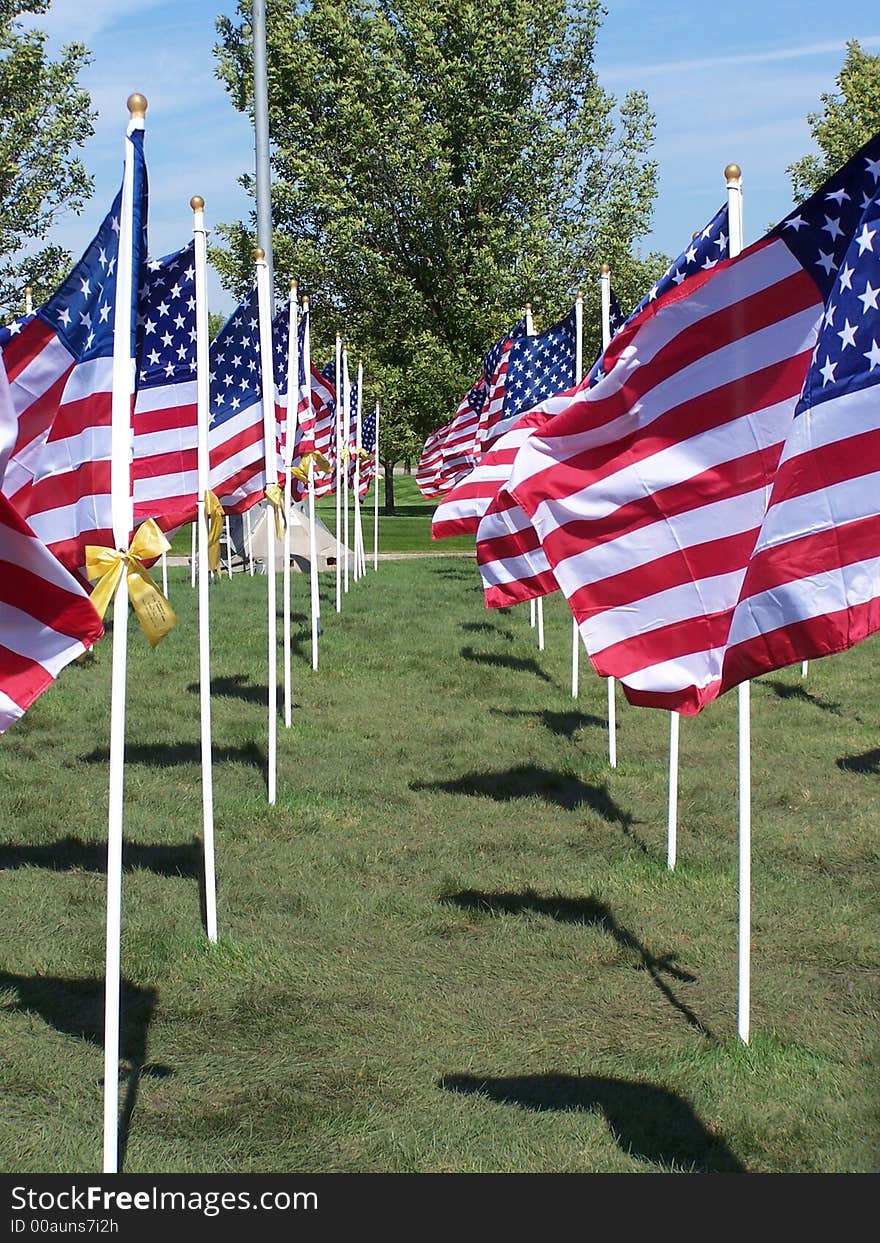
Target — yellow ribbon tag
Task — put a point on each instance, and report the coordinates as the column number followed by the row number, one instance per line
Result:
column 315, row 459
column 107, row 566
column 275, row 497
column 214, row 515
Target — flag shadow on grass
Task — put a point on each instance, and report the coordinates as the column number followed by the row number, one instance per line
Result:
column 784, row 690
column 589, row 913
column 869, row 762
column 72, row 854
column 560, row 789
column 486, row 628
column 234, row 687
column 75, row 1007
column 564, row 724
column 647, row 1122
column 499, row 660
column 163, row 755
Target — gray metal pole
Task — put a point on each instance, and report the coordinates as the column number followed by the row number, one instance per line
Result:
column 261, row 143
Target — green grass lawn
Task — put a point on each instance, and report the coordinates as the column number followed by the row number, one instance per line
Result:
column 453, row 944
column 408, row 529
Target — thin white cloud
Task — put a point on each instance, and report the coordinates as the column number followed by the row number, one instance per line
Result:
column 638, row 69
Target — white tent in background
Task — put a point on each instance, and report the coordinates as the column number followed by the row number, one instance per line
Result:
column 328, row 550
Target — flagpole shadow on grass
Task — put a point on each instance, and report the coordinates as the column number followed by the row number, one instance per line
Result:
column 75, row 1008
column 648, row 1123
column 502, row 661
column 72, row 854
column 591, row 913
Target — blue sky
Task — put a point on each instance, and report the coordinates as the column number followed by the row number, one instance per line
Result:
column 726, row 83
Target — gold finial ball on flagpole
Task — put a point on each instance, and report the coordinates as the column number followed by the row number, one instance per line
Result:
column 28, row 291
column 197, row 203
column 579, row 295
column 528, row 306
column 305, row 302
column 293, row 285
column 733, row 172
column 259, row 254
column 605, row 269
column 136, row 104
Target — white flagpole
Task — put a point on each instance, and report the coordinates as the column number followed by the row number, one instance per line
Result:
column 192, row 559
column 164, row 574
column 28, row 300
column 605, row 290
column 733, row 177
column 121, row 505
column 313, row 536
column 536, row 606
column 267, row 378
column 228, row 547
column 578, row 376
column 200, row 235
column 249, row 538
column 313, row 565
column 672, row 817
column 359, row 558
column 339, row 414
column 376, row 497
column 346, row 417
column 289, row 441
column 805, row 665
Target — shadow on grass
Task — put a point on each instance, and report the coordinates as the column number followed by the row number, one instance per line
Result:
column 234, row 687
column 869, row 762
column 75, row 1007
column 72, row 854
column 500, row 661
column 163, row 755
column 484, row 628
column 784, row 690
column 560, row 789
column 564, row 724
column 648, row 1123
column 590, row 913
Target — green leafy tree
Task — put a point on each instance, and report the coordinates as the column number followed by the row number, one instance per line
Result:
column 847, row 120
column 44, row 117
column 436, row 166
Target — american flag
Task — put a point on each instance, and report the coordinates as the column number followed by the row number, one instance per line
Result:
column 452, row 451
column 325, row 485
column 710, row 508
column 46, row 617
column 235, row 436
column 538, row 368
column 460, row 512
column 164, row 466
column 60, row 368
column 368, row 444
column 706, row 249
column 495, row 369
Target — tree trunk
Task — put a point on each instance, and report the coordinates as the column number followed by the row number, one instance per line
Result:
column 388, row 468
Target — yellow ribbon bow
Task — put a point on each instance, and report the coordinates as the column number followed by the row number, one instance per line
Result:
column 315, row 459
column 107, row 565
column 214, row 515
column 275, row 497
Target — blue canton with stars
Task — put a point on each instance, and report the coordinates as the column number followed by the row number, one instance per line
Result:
column 166, row 320
column 234, row 362
column 706, row 250
column 835, row 236
column 81, row 311
column 281, row 346
column 540, row 366
column 368, row 432
column 492, row 359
